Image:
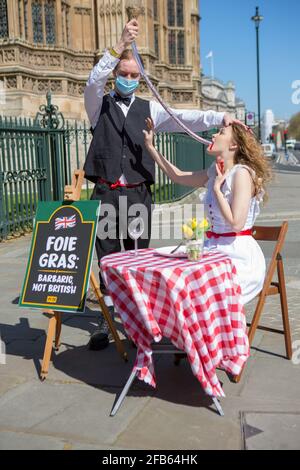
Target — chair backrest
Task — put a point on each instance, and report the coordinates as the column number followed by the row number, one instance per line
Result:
column 275, row 233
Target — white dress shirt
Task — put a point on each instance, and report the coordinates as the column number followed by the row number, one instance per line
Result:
column 196, row 120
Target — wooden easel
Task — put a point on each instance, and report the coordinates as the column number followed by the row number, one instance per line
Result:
column 72, row 193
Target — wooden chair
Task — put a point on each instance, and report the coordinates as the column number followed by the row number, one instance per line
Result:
column 276, row 234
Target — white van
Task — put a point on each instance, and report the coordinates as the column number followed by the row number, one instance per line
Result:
column 290, row 144
column 268, row 150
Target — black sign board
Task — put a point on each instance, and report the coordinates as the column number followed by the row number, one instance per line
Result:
column 60, row 258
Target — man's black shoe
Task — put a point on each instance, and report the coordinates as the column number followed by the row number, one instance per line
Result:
column 100, row 338
column 98, row 341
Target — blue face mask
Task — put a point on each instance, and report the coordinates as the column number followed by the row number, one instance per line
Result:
column 126, row 87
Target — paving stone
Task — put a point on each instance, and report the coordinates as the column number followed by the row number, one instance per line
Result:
column 78, row 412
column 271, row 431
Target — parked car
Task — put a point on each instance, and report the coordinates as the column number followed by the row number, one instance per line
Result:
column 269, row 150
column 290, row 143
column 297, row 146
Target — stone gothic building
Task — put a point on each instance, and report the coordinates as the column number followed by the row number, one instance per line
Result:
column 53, row 45
column 222, row 97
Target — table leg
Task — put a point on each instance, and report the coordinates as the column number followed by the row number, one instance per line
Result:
column 124, row 392
column 218, row 406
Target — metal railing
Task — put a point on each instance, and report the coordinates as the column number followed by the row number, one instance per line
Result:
column 38, row 157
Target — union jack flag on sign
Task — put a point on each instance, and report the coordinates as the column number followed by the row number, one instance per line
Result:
column 65, row 222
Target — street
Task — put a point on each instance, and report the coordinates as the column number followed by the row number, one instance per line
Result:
column 70, row 410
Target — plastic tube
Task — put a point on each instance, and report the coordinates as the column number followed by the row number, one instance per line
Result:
column 160, row 100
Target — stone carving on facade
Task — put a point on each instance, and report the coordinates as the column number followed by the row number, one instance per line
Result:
column 180, row 97
column 74, row 64
column 40, row 86
column 10, row 82
column 83, row 10
column 76, row 88
column 9, row 55
column 54, row 60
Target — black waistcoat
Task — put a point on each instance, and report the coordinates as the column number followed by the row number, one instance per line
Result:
column 118, row 144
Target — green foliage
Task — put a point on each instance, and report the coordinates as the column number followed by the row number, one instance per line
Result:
column 294, row 127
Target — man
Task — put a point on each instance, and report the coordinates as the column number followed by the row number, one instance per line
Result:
column 118, row 162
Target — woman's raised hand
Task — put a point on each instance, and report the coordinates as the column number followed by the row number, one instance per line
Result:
column 220, row 178
column 149, row 133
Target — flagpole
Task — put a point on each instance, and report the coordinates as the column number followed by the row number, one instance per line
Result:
column 210, row 56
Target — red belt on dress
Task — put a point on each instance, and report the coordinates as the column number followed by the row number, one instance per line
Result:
column 210, row 234
column 118, row 184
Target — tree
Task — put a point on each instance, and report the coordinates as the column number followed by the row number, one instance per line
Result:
column 294, row 127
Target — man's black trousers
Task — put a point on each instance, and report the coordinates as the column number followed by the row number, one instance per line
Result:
column 114, row 219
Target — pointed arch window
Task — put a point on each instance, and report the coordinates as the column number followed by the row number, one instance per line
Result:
column 176, row 13
column 49, row 12
column 3, row 19
column 171, row 12
column 176, row 32
column 180, row 48
column 43, row 21
column 172, row 47
column 37, row 21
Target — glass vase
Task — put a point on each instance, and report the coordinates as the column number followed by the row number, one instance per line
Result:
column 194, row 249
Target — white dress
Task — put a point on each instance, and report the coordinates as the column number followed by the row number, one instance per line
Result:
column 244, row 251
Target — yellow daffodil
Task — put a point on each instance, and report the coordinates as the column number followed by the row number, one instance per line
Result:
column 187, row 231
column 204, row 224
column 194, row 224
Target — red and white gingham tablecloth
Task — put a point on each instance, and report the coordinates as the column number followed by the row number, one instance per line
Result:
column 197, row 305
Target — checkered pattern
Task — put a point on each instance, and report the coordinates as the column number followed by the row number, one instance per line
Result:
column 197, row 305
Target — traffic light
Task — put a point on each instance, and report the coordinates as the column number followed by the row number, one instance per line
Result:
column 285, row 135
column 272, row 138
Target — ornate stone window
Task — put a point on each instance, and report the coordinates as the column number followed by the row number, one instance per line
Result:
column 179, row 13
column 37, row 21
column 156, row 28
column 176, row 32
column 180, row 48
column 49, row 12
column 172, row 47
column 171, row 12
column 156, row 40
column 43, row 21
column 3, row 19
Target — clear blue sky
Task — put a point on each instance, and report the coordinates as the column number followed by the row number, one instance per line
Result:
column 227, row 30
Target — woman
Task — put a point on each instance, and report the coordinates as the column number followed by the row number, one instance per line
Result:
column 235, row 188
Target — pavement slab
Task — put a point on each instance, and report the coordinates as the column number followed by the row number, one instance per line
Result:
column 271, row 431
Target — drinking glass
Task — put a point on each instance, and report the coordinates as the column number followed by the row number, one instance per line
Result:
column 135, row 230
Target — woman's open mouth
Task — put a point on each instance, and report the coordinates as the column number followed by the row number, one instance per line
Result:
column 212, row 144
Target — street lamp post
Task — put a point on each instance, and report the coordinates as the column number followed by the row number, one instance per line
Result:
column 257, row 19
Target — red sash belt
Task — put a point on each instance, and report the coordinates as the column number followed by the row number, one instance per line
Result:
column 118, row 184
column 210, row 234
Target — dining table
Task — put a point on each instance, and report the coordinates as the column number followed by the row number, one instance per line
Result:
column 195, row 304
